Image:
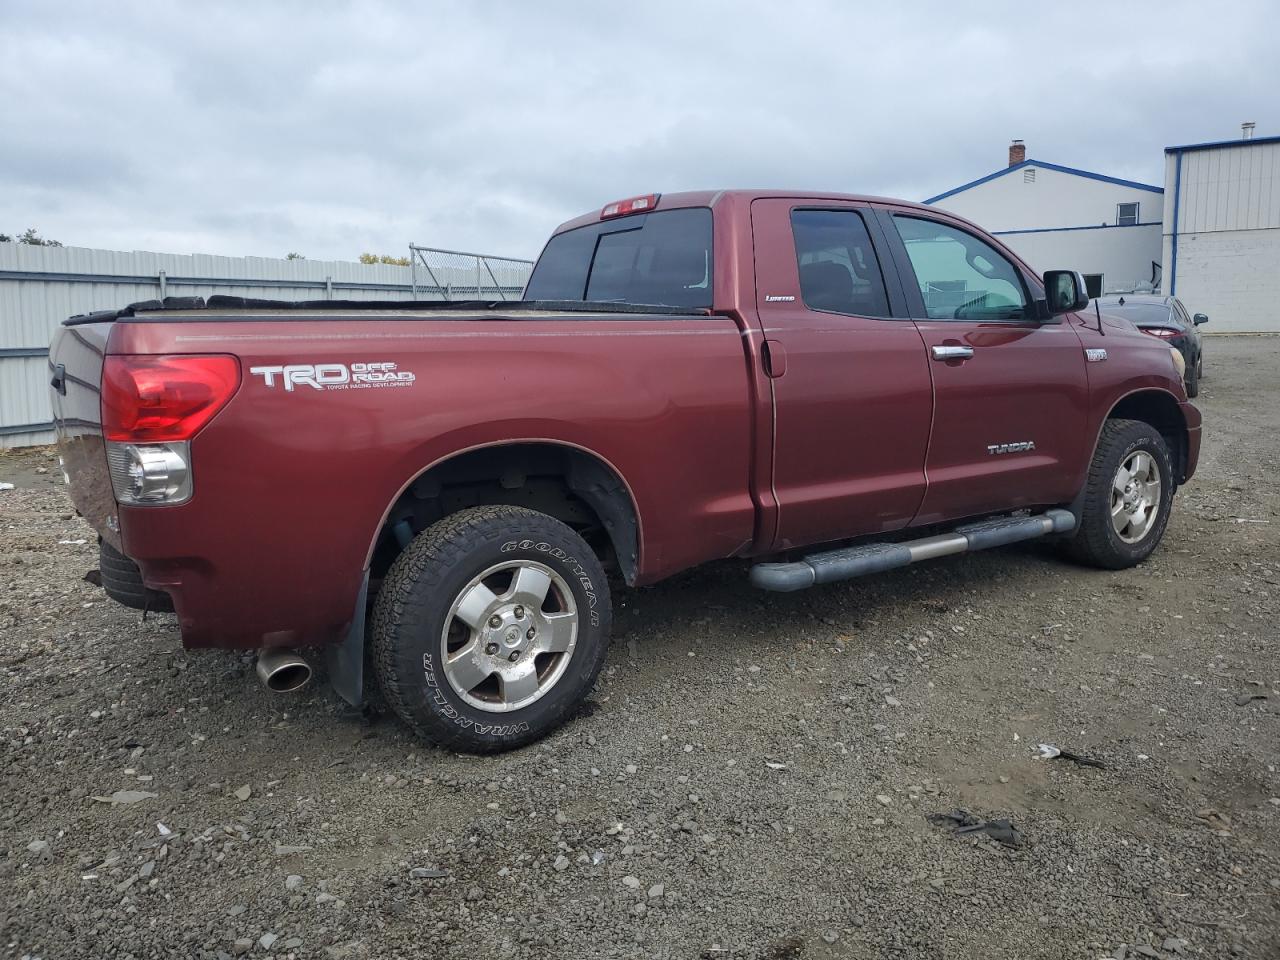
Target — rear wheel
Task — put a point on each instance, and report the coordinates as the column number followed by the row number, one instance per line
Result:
column 1128, row 496
column 491, row 628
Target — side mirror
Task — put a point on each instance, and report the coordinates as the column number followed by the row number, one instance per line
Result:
column 1064, row 292
column 1200, row 318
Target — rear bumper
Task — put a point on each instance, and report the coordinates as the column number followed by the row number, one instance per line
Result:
column 1191, row 413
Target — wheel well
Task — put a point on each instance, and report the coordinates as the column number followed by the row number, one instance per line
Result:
column 1161, row 411
column 564, row 482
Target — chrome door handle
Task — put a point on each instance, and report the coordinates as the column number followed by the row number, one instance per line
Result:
column 952, row 353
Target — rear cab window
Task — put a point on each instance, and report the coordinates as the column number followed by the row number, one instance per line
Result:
column 663, row 258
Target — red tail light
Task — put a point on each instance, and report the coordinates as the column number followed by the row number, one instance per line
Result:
column 152, row 399
column 1164, row 333
column 620, row 208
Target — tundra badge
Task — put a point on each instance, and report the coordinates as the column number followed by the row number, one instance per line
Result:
column 1095, row 354
column 1022, row 447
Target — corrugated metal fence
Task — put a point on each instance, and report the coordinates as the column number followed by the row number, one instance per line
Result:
column 42, row 286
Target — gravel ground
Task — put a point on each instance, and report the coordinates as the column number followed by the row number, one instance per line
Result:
column 751, row 780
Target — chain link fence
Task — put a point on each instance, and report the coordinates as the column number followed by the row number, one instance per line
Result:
column 453, row 275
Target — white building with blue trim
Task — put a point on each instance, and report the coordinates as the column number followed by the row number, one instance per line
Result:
column 1058, row 217
column 1222, row 231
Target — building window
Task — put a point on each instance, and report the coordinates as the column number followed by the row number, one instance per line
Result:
column 1029, row 175
column 1126, row 214
column 1093, row 285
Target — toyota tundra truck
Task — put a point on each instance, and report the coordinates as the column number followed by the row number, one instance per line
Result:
column 439, row 493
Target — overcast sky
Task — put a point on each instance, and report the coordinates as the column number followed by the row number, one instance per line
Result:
column 331, row 128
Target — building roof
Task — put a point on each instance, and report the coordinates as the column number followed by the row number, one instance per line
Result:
column 1049, row 166
column 1216, row 144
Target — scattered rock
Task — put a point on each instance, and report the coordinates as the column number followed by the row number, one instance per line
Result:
column 561, row 864
column 631, row 883
column 41, row 850
column 126, row 797
column 427, row 873
column 243, row 793
column 292, row 882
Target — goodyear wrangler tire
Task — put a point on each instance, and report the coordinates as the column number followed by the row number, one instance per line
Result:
column 1128, row 496
column 491, row 628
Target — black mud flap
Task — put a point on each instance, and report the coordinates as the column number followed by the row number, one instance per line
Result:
column 346, row 659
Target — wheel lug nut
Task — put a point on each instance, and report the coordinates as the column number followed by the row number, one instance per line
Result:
column 495, row 621
column 519, row 613
column 515, row 655
column 491, row 648
column 530, row 633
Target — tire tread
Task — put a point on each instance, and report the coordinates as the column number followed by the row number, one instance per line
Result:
column 1092, row 544
column 428, row 558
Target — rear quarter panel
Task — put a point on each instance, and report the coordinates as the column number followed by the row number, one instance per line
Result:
column 291, row 487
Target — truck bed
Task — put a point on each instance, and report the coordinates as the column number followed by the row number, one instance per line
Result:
column 288, row 464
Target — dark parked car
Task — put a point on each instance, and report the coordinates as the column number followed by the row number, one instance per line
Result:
column 1166, row 318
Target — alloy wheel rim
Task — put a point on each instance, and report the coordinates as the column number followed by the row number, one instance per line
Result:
column 1135, row 496
column 509, row 636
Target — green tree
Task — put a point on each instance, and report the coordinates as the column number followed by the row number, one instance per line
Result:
column 294, row 256
column 384, row 258
column 34, row 239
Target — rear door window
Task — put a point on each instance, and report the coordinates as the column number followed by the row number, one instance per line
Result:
column 661, row 258
column 838, row 268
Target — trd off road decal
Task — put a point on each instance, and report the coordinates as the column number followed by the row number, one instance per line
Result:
column 334, row 376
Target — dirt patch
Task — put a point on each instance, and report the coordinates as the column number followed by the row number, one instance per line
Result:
column 751, row 780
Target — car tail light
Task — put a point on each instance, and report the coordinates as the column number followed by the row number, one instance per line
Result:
column 150, row 473
column 151, row 408
column 164, row 398
column 620, row 208
column 1164, row 333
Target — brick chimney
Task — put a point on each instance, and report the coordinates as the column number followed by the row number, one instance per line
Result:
column 1017, row 153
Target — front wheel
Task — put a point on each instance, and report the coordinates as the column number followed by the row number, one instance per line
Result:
column 491, row 628
column 1128, row 496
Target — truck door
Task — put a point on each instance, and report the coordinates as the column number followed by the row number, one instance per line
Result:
column 1010, row 389
column 850, row 384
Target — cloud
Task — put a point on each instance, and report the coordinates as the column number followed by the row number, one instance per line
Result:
column 331, row 128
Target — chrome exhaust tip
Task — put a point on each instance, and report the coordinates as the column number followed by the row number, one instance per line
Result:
column 283, row 671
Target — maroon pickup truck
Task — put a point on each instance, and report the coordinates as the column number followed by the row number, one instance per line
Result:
column 825, row 385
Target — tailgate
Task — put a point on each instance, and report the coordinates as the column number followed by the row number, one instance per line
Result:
column 75, row 369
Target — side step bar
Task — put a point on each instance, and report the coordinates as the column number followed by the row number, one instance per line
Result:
column 849, row 562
